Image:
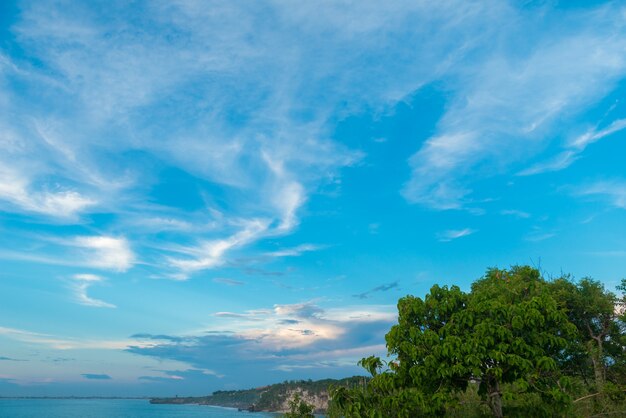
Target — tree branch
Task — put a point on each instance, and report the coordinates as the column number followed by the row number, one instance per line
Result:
column 591, row 396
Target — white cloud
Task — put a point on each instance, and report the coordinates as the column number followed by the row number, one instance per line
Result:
column 67, row 343
column 516, row 213
column 210, row 254
column 452, row 234
column 538, row 235
column 229, row 282
column 83, row 283
column 510, row 102
column 301, row 310
column 160, row 224
column 251, row 108
column 288, row 200
column 58, row 204
column 295, row 251
column 138, row 72
column 264, row 76
column 280, row 84
column 576, row 147
column 594, row 135
column 613, row 191
column 291, row 368
column 244, row 316
column 304, row 324
column 289, row 337
column 87, row 277
column 111, row 253
column 363, row 313
column 556, row 163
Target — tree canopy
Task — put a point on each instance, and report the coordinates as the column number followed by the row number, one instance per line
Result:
column 298, row 408
column 515, row 345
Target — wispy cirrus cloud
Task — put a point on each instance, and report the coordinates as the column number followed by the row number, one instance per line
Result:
column 237, row 107
column 612, row 191
column 243, row 316
column 227, row 281
column 576, row 148
column 82, row 283
column 295, row 251
column 452, row 234
column 510, row 103
column 52, row 201
column 66, row 343
column 537, row 234
column 556, row 163
column 516, row 213
column 87, row 251
column 381, row 288
column 196, row 376
column 211, row 254
column 595, row 134
column 258, row 157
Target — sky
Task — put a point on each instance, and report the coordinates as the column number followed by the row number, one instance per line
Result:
column 209, row 195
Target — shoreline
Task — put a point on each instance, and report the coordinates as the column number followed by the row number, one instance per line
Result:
column 78, row 397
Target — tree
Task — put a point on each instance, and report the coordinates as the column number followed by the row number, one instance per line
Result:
column 504, row 336
column 517, row 331
column 298, row 408
column 594, row 311
column 597, row 351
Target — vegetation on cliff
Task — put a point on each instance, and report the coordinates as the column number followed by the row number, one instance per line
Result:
column 278, row 397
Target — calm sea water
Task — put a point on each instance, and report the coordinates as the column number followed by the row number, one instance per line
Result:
column 113, row 408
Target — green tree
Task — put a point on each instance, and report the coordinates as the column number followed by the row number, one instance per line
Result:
column 504, row 337
column 597, row 351
column 599, row 332
column 298, row 408
column 381, row 397
column 517, row 331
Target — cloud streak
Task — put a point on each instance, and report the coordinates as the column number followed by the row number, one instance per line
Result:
column 612, row 191
column 576, row 148
column 228, row 282
column 95, row 376
column 295, row 251
column 65, row 343
column 452, row 234
column 82, row 283
column 381, row 288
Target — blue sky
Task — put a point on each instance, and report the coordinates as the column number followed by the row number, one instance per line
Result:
column 217, row 195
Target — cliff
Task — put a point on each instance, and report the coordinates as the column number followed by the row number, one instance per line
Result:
column 272, row 398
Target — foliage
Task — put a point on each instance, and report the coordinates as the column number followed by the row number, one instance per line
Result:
column 298, row 408
column 596, row 353
column 515, row 345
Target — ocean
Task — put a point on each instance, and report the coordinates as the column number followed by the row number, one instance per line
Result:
column 113, row 408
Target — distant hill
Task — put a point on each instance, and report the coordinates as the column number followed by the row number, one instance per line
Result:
column 272, row 398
